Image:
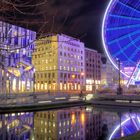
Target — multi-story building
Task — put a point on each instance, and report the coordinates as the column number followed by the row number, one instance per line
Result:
column 16, row 47
column 59, row 64
column 92, row 69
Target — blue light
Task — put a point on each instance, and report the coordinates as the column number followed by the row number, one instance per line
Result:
column 120, row 32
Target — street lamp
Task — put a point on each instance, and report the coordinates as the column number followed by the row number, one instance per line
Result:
column 119, row 89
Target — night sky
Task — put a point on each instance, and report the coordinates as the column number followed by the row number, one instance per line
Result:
column 78, row 18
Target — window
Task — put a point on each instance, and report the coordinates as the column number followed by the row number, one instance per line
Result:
column 49, row 75
column 53, row 75
column 61, row 75
column 61, row 60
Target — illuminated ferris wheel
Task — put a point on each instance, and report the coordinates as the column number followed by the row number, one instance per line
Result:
column 121, row 34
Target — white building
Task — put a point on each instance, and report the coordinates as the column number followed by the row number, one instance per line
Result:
column 59, row 63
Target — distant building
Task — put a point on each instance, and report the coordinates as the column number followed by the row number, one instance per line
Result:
column 59, row 64
column 16, row 47
column 110, row 75
column 92, row 69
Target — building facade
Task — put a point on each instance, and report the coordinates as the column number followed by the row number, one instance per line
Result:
column 92, row 69
column 16, row 47
column 109, row 75
column 59, row 64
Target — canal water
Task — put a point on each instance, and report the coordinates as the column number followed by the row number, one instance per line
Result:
column 78, row 123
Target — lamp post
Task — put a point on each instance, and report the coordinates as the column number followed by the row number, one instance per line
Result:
column 119, row 89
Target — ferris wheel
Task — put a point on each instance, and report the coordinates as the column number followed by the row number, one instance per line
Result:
column 121, row 34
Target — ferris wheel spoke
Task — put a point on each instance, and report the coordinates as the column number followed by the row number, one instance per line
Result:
column 129, row 7
column 134, row 53
column 126, row 47
column 123, row 37
column 123, row 27
column 124, row 17
column 124, row 55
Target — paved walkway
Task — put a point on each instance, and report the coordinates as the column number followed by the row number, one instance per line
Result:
column 40, row 106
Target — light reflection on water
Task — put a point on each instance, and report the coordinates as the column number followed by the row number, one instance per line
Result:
column 80, row 123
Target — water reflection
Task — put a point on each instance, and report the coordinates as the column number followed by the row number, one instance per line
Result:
column 71, row 124
column 82, row 123
column 16, row 126
column 129, row 124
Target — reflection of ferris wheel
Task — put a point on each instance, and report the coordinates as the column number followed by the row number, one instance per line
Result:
column 129, row 125
column 121, row 33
